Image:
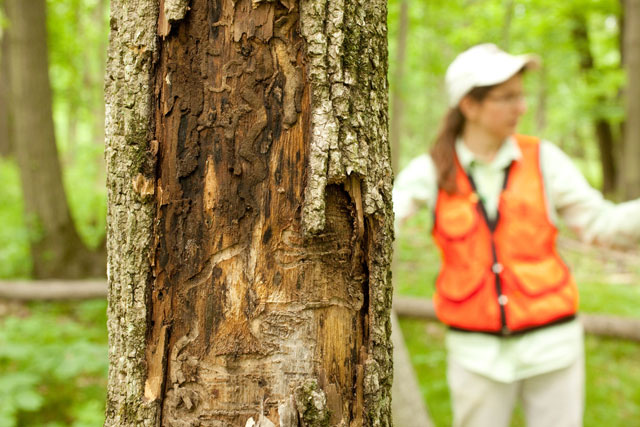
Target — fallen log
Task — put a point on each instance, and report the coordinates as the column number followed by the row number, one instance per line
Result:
column 595, row 324
column 420, row 308
column 53, row 290
column 625, row 256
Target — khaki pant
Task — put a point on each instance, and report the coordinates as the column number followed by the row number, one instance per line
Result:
column 554, row 399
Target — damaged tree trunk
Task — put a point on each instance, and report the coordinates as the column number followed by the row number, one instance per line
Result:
column 250, row 217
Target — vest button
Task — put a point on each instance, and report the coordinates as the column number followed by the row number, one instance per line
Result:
column 503, row 300
column 497, row 268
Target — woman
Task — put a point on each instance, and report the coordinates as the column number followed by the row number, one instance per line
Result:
column 507, row 296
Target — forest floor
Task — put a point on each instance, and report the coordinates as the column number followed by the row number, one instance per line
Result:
column 609, row 283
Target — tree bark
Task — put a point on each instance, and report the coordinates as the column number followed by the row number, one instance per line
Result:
column 250, row 216
column 56, row 249
column 397, row 100
column 631, row 150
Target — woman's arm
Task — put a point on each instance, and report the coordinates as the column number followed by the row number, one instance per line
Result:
column 583, row 208
column 415, row 186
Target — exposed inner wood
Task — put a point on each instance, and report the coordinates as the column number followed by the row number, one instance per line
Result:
column 239, row 294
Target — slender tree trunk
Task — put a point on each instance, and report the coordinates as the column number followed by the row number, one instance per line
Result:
column 509, row 8
column 250, row 218
column 541, row 108
column 631, row 159
column 98, row 114
column 619, row 152
column 6, row 144
column 72, row 136
column 397, row 100
column 606, row 145
column 56, row 249
column 602, row 127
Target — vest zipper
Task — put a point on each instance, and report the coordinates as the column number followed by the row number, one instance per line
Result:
column 492, row 225
column 496, row 268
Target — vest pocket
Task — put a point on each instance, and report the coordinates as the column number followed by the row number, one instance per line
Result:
column 538, row 277
column 458, row 284
column 458, row 220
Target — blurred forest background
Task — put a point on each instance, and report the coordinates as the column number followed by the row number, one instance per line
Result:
column 53, row 356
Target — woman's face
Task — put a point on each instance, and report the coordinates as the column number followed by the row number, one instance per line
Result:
column 499, row 112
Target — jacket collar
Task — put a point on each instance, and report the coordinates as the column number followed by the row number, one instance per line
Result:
column 507, row 153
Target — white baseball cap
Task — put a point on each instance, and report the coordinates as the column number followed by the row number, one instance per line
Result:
column 483, row 65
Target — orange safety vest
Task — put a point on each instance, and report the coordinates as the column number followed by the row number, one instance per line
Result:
column 502, row 277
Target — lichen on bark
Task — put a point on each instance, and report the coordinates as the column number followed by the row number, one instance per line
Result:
column 311, row 403
column 175, row 10
column 128, row 92
column 347, row 55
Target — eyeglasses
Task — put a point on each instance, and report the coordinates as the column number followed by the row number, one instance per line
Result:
column 508, row 98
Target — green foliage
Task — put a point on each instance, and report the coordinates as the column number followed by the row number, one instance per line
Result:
column 53, row 365
column 15, row 260
column 77, row 35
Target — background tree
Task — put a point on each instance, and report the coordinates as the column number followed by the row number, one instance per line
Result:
column 397, row 93
column 631, row 171
column 5, row 102
column 250, row 220
column 56, row 248
column 603, row 130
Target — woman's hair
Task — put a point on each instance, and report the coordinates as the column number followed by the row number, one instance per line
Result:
column 443, row 151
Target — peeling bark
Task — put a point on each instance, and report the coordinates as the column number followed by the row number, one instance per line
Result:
column 250, row 219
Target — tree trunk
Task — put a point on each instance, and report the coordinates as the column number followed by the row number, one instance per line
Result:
column 541, row 107
column 250, row 216
column 6, row 144
column 606, row 145
column 56, row 249
column 397, row 101
column 509, row 9
column 631, row 172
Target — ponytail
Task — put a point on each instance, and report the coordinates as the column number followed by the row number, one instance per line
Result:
column 443, row 151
